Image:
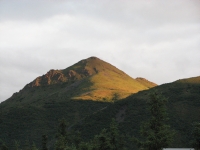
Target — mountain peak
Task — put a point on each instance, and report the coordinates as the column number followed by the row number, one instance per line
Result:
column 92, row 79
column 93, row 57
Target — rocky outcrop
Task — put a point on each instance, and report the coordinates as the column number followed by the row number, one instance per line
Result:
column 51, row 77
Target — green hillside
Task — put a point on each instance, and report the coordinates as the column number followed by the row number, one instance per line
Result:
column 183, row 110
column 72, row 93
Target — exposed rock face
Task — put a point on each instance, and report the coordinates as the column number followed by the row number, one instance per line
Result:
column 51, row 77
column 36, row 82
column 72, row 74
column 82, row 69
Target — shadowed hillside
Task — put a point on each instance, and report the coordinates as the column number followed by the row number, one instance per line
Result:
column 183, row 110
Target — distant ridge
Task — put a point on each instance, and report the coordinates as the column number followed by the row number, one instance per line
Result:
column 194, row 80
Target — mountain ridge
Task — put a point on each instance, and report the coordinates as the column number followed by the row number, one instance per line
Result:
column 93, row 79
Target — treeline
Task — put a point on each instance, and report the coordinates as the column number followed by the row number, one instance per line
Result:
column 155, row 134
column 108, row 139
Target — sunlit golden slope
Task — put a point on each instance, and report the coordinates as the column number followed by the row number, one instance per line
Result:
column 92, row 79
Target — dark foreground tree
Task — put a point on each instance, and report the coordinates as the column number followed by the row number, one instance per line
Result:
column 196, row 134
column 66, row 140
column 62, row 138
column 44, row 142
column 3, row 145
column 109, row 139
column 33, row 147
column 156, row 132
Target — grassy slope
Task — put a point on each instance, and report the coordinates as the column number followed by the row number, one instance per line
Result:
column 106, row 80
column 107, row 83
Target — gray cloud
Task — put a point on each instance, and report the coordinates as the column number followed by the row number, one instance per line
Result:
column 158, row 40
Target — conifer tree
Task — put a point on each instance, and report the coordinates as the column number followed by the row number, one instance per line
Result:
column 17, row 145
column 116, row 139
column 3, row 146
column 196, row 134
column 44, row 142
column 102, row 141
column 85, row 146
column 62, row 137
column 76, row 138
column 33, row 147
column 109, row 139
column 26, row 145
column 156, row 132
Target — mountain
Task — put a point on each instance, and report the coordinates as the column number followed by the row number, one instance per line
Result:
column 183, row 110
column 89, row 79
column 72, row 93
column 88, row 95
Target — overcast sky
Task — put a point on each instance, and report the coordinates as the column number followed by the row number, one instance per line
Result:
column 155, row 39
